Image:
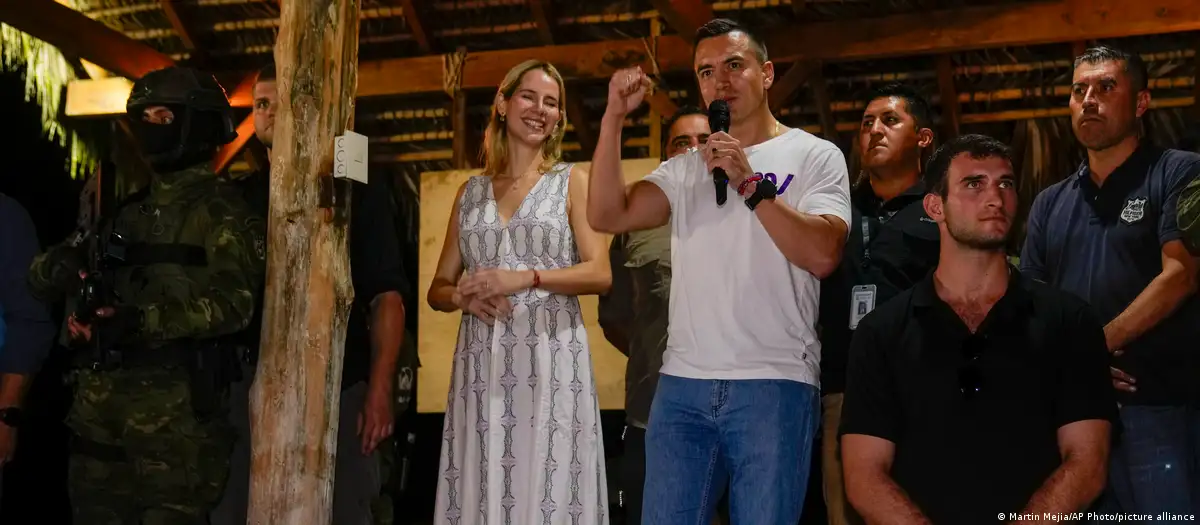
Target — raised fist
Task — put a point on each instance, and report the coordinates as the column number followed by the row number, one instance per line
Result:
column 626, row 90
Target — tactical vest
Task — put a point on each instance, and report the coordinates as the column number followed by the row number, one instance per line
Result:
column 151, row 248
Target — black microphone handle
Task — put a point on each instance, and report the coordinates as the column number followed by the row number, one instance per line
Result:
column 721, row 182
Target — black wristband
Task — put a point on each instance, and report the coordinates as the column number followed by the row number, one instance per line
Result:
column 764, row 190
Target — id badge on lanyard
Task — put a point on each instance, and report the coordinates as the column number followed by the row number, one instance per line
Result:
column 862, row 297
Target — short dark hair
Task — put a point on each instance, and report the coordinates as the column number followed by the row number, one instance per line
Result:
column 977, row 146
column 266, row 73
column 1135, row 67
column 680, row 113
column 918, row 106
column 683, row 112
column 721, row 26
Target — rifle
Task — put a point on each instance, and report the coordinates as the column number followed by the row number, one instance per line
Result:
column 95, row 288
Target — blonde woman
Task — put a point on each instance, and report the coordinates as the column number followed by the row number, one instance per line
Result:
column 522, row 441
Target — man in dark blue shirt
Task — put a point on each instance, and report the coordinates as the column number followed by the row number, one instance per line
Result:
column 28, row 330
column 1109, row 234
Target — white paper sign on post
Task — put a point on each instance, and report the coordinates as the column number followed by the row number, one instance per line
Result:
column 350, row 157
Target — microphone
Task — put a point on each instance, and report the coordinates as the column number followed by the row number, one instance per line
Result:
column 718, row 120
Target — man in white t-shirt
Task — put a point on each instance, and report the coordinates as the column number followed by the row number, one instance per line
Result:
column 738, row 400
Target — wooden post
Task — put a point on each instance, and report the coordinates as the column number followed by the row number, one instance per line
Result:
column 951, row 109
column 1078, row 47
column 577, row 116
column 656, row 118
column 821, row 99
column 294, row 400
column 460, row 142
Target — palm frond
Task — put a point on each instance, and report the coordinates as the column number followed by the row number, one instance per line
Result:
column 47, row 73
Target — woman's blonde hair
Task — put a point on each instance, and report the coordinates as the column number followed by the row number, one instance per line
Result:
column 494, row 153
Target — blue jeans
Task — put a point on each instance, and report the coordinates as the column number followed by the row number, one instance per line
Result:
column 1154, row 465
column 754, row 435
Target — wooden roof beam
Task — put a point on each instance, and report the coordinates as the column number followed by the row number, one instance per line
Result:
column 230, row 151
column 896, row 35
column 684, row 16
column 953, row 30
column 76, row 35
column 543, row 16
column 417, row 25
column 786, row 85
column 660, row 101
column 171, row 9
column 949, row 97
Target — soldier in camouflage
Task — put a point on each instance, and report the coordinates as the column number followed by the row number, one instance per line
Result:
column 150, row 433
column 1189, row 215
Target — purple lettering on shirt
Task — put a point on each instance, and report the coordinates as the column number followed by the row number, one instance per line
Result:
column 786, row 181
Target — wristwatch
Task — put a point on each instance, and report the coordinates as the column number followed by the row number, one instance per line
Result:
column 11, row 416
column 764, row 190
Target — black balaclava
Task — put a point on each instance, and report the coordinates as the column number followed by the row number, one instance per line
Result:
column 203, row 119
column 187, row 140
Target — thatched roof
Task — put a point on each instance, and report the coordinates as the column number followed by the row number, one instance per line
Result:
column 998, row 88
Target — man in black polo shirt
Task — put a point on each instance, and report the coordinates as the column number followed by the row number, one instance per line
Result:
column 893, row 244
column 979, row 395
column 374, row 335
column 1109, row 234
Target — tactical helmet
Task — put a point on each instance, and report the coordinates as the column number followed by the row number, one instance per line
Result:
column 195, row 98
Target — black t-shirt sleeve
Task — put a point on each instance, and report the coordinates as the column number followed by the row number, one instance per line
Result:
column 871, row 403
column 377, row 263
column 1085, row 388
column 615, row 308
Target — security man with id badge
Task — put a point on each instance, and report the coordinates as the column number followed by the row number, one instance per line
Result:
column 892, row 245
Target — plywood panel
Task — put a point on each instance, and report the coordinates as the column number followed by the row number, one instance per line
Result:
column 439, row 331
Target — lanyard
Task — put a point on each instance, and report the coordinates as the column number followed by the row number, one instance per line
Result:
column 866, row 233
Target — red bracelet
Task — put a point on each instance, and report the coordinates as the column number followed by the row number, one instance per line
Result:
column 742, row 186
column 537, row 279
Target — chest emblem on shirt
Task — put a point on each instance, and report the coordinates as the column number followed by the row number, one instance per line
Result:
column 1135, row 209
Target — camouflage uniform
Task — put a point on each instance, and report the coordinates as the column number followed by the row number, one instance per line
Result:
column 1189, row 215
column 142, row 453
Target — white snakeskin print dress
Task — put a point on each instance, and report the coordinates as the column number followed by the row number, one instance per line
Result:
column 522, row 442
